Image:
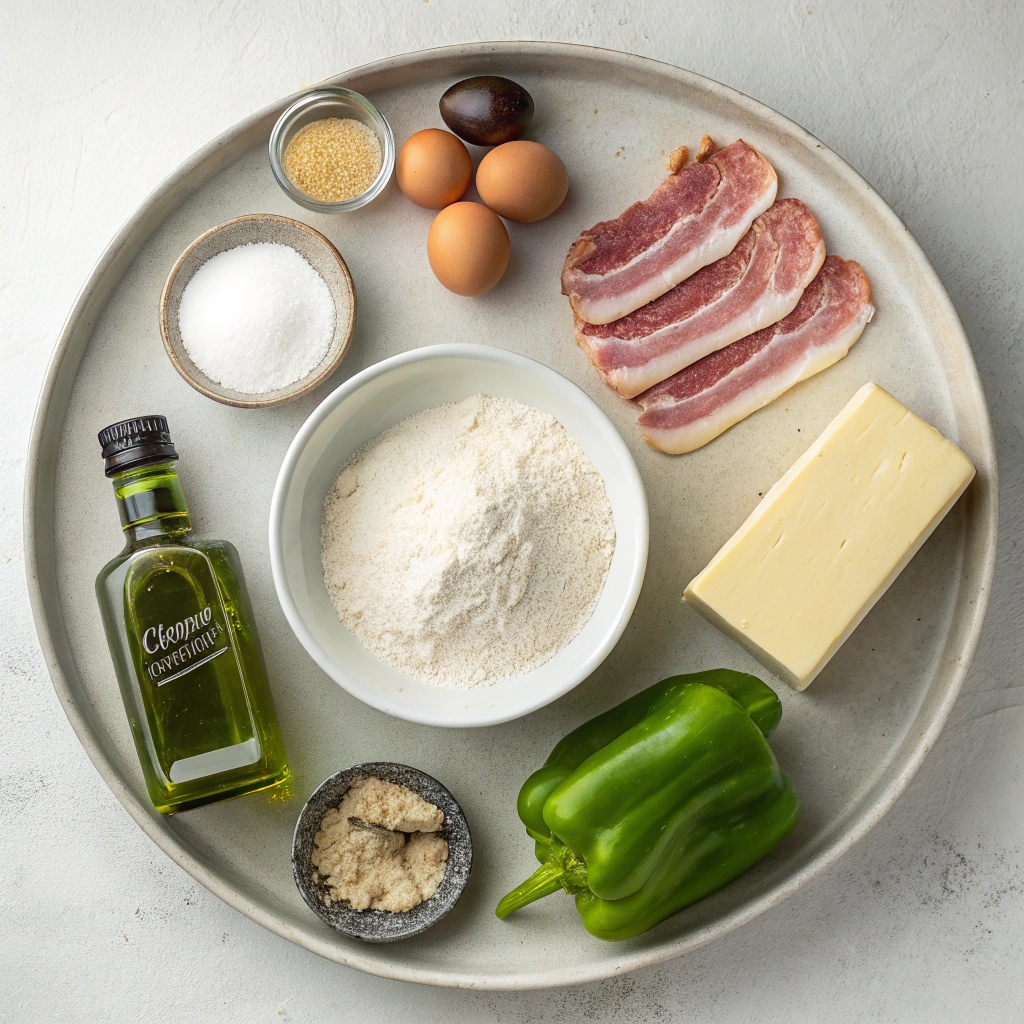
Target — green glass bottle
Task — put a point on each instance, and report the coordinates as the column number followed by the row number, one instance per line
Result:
column 182, row 637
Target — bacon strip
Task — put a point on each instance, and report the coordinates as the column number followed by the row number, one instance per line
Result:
column 696, row 405
column 692, row 218
column 758, row 283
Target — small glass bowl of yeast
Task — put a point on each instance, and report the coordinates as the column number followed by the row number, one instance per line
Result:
column 331, row 105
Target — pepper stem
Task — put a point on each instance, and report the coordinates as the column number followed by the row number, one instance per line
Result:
column 543, row 882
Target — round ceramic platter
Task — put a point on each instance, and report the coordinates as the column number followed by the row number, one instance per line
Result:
column 852, row 741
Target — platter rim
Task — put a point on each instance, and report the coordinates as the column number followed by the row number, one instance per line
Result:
column 62, row 369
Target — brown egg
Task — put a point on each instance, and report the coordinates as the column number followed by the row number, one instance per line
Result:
column 468, row 248
column 522, row 181
column 433, row 168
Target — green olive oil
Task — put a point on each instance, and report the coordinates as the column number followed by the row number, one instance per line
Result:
column 182, row 637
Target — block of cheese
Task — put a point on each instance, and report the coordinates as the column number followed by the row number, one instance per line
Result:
column 829, row 538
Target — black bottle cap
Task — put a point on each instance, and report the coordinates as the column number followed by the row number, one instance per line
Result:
column 135, row 442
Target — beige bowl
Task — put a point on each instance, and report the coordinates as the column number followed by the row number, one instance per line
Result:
column 259, row 227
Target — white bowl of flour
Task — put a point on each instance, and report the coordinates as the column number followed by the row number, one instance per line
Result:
column 479, row 559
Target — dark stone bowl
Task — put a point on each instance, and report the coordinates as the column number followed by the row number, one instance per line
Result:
column 383, row 925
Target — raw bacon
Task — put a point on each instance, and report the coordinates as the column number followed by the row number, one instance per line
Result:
column 699, row 403
column 692, row 218
column 758, row 283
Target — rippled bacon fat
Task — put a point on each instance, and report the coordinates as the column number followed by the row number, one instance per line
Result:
column 696, row 405
column 694, row 217
column 757, row 284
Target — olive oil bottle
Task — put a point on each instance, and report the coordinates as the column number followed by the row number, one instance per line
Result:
column 182, row 637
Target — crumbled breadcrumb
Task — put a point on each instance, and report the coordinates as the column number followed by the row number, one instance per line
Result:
column 707, row 147
column 677, row 159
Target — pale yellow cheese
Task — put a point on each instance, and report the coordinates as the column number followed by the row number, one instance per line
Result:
column 830, row 537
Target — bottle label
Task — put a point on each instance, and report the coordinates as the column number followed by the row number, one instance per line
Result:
column 175, row 650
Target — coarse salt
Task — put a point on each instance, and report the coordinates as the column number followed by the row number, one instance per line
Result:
column 257, row 318
column 333, row 160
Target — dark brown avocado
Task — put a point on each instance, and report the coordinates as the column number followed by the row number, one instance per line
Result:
column 487, row 110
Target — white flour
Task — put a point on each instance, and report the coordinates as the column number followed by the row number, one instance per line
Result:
column 468, row 543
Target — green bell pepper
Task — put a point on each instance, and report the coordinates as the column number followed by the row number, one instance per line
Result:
column 658, row 802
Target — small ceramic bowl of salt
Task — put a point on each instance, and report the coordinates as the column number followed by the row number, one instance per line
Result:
column 258, row 311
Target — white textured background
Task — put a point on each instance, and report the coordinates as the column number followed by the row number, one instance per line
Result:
column 924, row 920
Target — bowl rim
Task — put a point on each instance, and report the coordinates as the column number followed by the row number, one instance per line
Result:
column 354, row 685
column 276, row 152
column 183, row 363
